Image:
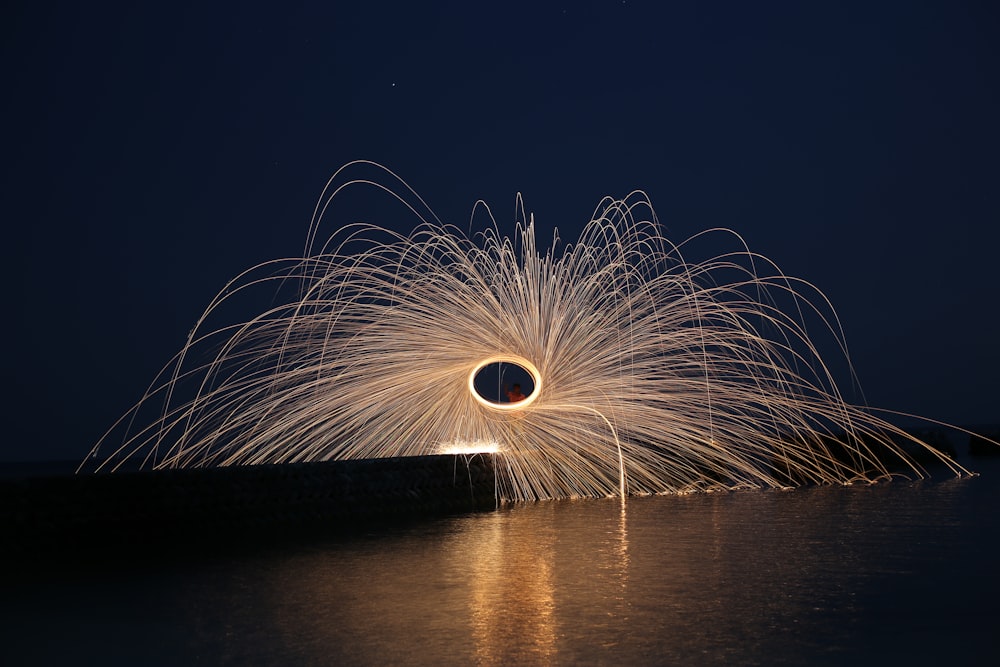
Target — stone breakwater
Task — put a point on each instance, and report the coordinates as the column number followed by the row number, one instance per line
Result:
column 254, row 502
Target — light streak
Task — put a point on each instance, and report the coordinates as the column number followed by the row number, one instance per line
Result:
column 651, row 374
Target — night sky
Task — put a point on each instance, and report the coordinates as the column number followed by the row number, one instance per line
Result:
column 154, row 152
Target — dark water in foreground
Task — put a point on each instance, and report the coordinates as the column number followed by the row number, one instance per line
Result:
column 890, row 574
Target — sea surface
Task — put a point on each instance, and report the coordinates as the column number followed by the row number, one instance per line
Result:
column 896, row 573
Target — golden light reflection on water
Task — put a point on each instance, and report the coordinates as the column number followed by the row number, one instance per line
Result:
column 817, row 576
column 512, row 596
column 715, row 577
column 519, row 602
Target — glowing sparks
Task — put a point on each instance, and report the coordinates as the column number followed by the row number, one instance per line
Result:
column 466, row 447
column 651, row 374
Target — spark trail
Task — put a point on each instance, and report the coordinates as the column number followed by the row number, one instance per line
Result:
column 652, row 374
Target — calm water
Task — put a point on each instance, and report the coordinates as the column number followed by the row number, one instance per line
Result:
column 904, row 572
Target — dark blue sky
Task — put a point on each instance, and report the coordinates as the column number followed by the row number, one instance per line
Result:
column 153, row 152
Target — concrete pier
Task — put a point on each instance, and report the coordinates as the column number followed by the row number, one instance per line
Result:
column 245, row 502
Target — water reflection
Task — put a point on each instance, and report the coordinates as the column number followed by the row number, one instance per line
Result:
column 810, row 576
column 512, row 600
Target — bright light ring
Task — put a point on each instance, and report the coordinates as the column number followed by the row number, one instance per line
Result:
column 536, row 378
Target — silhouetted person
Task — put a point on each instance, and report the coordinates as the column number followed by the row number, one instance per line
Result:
column 515, row 395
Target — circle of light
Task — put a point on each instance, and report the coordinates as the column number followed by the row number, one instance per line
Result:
column 536, row 378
